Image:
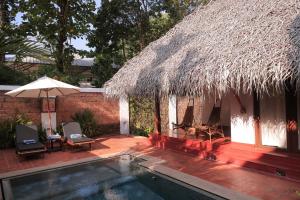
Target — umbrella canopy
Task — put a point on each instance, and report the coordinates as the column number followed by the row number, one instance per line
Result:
column 42, row 86
column 227, row 44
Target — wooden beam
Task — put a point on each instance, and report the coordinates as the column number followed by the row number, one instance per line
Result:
column 256, row 115
column 157, row 119
column 291, row 117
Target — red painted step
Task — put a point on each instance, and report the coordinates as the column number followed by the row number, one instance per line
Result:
column 263, row 160
column 280, row 160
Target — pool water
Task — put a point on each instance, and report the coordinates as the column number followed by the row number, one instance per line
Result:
column 118, row 178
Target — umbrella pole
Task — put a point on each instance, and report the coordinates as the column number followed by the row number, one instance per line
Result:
column 49, row 115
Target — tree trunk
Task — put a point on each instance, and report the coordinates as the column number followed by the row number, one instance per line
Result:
column 143, row 21
column 124, row 50
column 3, row 14
column 62, row 35
column 141, row 36
column 3, row 22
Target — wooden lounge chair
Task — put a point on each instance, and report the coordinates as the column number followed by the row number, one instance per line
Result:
column 213, row 125
column 73, row 128
column 188, row 118
column 27, row 141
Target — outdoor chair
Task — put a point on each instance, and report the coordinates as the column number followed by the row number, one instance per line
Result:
column 73, row 135
column 213, row 124
column 188, row 118
column 27, row 141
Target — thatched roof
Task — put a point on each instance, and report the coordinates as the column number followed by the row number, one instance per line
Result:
column 238, row 44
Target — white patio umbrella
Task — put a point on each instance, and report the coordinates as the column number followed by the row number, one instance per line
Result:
column 44, row 87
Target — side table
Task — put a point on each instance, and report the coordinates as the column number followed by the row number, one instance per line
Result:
column 54, row 144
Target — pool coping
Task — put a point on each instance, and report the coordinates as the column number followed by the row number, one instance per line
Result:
column 152, row 163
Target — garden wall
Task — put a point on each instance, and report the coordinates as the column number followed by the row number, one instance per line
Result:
column 10, row 106
column 106, row 110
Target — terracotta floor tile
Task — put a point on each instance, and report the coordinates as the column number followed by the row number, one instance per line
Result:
column 261, row 185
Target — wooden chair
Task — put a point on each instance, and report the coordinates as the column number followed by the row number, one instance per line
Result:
column 188, row 118
column 213, row 126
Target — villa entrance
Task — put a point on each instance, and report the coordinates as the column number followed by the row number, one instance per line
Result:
column 273, row 121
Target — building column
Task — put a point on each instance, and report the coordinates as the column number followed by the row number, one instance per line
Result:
column 157, row 119
column 256, row 114
column 172, row 115
column 291, row 118
column 124, row 115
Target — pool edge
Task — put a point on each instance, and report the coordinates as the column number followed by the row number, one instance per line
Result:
column 58, row 165
column 152, row 163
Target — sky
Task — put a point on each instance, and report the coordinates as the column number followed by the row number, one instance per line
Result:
column 77, row 43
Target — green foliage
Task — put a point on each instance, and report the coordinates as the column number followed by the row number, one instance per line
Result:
column 87, row 122
column 101, row 70
column 21, row 47
column 42, row 134
column 159, row 26
column 141, row 116
column 52, row 71
column 8, row 11
column 56, row 22
column 7, row 134
column 124, row 27
column 179, row 9
column 10, row 76
column 21, row 118
column 8, row 129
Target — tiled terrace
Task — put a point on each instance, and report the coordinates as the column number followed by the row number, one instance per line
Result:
column 260, row 185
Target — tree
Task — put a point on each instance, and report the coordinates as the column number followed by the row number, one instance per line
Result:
column 56, row 21
column 8, row 10
column 122, row 29
column 178, row 9
column 20, row 47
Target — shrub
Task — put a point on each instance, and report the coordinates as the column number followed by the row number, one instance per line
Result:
column 87, row 122
column 8, row 129
column 42, row 134
column 141, row 116
column 7, row 134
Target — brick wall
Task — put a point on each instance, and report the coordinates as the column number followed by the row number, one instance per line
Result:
column 9, row 107
column 106, row 110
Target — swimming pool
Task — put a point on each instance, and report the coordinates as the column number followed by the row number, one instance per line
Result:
column 118, row 178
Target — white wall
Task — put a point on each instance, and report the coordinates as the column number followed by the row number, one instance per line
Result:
column 124, row 115
column 45, row 121
column 206, row 106
column 273, row 120
column 242, row 125
column 172, row 115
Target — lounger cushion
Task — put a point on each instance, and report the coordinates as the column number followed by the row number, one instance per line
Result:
column 75, row 136
column 26, row 132
column 28, row 147
column 81, row 140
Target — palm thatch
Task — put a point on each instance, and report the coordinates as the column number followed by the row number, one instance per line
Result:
column 227, row 44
